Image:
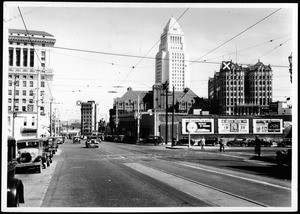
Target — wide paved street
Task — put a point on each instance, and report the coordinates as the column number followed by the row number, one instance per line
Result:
column 127, row 175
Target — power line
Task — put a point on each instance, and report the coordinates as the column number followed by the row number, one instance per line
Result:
column 151, row 48
column 236, row 36
column 273, row 49
column 33, row 46
column 269, row 41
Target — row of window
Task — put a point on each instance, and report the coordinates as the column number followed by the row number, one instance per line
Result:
column 26, row 53
column 24, row 83
column 28, row 108
column 25, row 92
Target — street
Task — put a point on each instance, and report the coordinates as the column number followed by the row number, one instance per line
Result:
column 126, row 175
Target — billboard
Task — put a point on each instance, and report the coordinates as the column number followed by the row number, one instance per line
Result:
column 233, row 126
column 267, row 126
column 204, row 126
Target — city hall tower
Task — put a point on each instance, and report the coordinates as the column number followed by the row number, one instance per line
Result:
column 171, row 59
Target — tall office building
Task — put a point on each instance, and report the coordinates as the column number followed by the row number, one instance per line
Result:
column 29, row 81
column 171, row 60
column 88, row 118
column 237, row 90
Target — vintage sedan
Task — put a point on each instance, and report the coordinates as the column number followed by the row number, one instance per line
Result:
column 15, row 187
column 92, row 141
column 152, row 139
column 185, row 141
column 31, row 155
column 76, row 139
column 237, row 142
column 284, row 157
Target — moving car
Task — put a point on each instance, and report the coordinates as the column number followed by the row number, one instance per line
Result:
column 15, row 187
column 237, row 142
column 92, row 141
column 152, row 139
column 30, row 154
column 76, row 139
column 59, row 140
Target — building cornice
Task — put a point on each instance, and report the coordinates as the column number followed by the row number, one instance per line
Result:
column 24, row 39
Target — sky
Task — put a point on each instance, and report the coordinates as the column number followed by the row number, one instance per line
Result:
column 243, row 33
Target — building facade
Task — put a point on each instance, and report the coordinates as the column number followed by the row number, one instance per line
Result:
column 171, row 58
column 237, row 90
column 30, row 79
column 88, row 118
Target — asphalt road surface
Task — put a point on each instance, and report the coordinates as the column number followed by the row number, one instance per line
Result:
column 122, row 176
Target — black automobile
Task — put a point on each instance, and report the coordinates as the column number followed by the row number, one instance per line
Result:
column 185, row 141
column 262, row 142
column 237, row 142
column 213, row 141
column 287, row 142
column 152, row 139
column 92, row 141
column 15, row 187
column 284, row 157
column 76, row 139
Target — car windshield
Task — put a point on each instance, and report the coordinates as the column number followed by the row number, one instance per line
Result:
column 28, row 144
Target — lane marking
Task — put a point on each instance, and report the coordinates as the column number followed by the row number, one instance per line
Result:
column 204, row 193
column 235, row 176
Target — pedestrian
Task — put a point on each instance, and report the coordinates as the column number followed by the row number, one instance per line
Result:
column 222, row 146
column 203, row 144
column 257, row 146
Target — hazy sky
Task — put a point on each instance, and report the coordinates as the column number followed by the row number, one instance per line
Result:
column 133, row 29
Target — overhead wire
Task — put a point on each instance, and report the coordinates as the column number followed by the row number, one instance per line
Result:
column 33, row 48
column 272, row 49
column 235, row 36
column 253, row 46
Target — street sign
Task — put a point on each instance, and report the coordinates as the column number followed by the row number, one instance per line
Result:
column 191, row 127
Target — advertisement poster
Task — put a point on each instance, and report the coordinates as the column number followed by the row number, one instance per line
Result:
column 204, row 126
column 267, row 126
column 233, row 126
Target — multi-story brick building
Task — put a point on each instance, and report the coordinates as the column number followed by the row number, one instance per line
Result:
column 29, row 81
column 237, row 90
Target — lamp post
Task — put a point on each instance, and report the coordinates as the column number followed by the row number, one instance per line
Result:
column 290, row 58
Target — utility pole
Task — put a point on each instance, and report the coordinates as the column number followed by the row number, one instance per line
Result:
column 117, row 119
column 37, row 103
column 138, row 119
column 172, row 144
column 14, row 113
column 51, row 117
column 166, row 87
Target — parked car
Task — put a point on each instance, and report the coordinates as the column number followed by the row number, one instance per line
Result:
column 286, row 142
column 53, row 144
column 262, row 143
column 284, row 157
column 59, row 140
column 185, row 141
column 213, row 141
column 152, row 139
column 76, row 140
column 46, row 151
column 15, row 187
column 119, row 138
column 30, row 154
column 237, row 142
column 92, row 141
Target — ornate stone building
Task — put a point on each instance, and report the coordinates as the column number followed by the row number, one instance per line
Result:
column 29, row 81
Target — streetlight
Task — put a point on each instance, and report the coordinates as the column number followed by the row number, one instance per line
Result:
column 290, row 61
